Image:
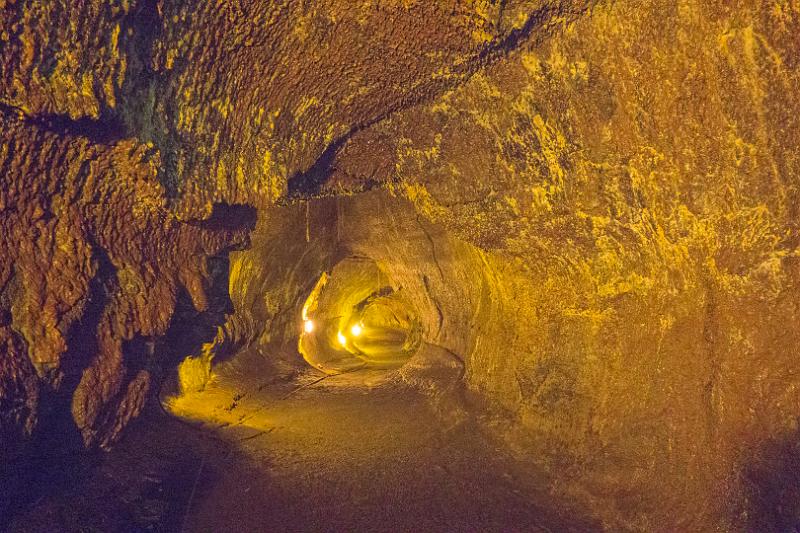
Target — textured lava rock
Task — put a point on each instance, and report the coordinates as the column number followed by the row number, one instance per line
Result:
column 639, row 166
column 18, row 393
column 242, row 98
column 613, row 187
column 126, row 118
column 94, row 260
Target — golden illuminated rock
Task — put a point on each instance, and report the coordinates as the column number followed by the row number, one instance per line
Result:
column 575, row 221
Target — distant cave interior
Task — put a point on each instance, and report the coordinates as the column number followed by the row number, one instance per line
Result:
column 475, row 265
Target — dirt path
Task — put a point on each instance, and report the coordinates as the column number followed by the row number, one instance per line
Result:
column 345, row 454
column 356, row 452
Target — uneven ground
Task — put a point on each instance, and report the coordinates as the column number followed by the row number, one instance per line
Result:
column 362, row 451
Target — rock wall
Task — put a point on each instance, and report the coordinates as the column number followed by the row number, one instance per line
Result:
column 606, row 231
column 640, row 166
column 94, row 261
column 128, row 121
column 241, row 98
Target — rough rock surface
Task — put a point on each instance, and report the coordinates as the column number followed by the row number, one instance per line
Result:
column 242, row 97
column 599, row 217
column 640, row 166
column 219, row 103
column 93, row 265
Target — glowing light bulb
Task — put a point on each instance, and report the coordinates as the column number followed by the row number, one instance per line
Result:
column 356, row 330
column 342, row 339
column 308, row 326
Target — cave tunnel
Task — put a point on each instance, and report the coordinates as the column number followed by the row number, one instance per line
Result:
column 353, row 320
column 520, row 265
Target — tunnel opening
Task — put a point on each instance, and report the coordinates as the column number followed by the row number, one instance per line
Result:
column 344, row 284
column 355, row 319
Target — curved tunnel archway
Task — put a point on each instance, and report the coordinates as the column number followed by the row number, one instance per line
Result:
column 357, row 283
column 355, row 319
column 374, row 287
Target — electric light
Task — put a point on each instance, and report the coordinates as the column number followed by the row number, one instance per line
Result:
column 308, row 326
column 356, row 330
column 342, row 339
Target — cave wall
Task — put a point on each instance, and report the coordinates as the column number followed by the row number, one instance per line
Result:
column 241, row 98
column 605, row 234
column 172, row 108
column 640, row 164
column 94, row 260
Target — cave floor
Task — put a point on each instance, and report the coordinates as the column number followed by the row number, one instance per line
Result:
column 354, row 452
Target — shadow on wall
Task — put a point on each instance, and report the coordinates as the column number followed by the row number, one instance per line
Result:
column 230, row 217
column 45, row 456
column 772, row 486
column 54, row 454
column 191, row 331
column 195, row 337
